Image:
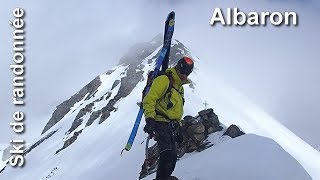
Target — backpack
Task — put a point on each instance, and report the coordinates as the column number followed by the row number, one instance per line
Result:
column 171, row 81
column 150, row 81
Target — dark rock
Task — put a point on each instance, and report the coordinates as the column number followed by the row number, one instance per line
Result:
column 203, row 146
column 76, row 123
column 69, row 141
column 128, row 83
column 115, row 84
column 178, row 51
column 214, row 128
column 191, row 145
column 85, row 110
column 196, row 129
column 208, row 116
column 210, row 120
column 149, row 165
column 93, row 117
column 205, row 112
column 109, row 72
column 233, row 131
column 188, row 121
column 78, row 120
column 188, row 117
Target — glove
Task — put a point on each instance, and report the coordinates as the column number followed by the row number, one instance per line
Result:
column 149, row 127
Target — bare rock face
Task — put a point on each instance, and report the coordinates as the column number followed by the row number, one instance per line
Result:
column 127, row 84
column 233, row 131
column 210, row 121
column 69, row 141
column 196, row 132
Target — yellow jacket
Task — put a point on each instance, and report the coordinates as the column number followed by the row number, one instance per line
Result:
column 155, row 100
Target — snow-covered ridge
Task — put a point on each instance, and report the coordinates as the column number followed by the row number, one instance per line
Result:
column 247, row 157
column 233, row 107
column 92, row 128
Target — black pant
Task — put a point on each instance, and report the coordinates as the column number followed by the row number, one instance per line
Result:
column 166, row 140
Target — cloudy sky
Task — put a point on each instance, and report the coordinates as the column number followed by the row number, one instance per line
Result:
column 70, row 43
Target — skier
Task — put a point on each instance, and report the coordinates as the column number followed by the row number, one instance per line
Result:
column 163, row 110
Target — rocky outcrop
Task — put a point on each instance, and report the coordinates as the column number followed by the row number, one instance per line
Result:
column 69, row 141
column 95, row 115
column 115, row 84
column 195, row 131
column 127, row 84
column 78, row 120
column 233, row 131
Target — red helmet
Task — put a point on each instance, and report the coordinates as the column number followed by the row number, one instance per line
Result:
column 185, row 65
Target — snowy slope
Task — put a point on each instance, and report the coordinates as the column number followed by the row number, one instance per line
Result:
column 233, row 107
column 248, row 157
column 81, row 146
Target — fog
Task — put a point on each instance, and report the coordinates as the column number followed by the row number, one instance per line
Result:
column 70, row 43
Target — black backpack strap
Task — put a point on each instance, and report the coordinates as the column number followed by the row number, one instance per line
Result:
column 169, row 92
column 169, row 75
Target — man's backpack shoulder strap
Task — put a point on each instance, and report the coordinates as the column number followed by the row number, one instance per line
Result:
column 171, row 81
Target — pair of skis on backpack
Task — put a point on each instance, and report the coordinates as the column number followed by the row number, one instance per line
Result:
column 162, row 61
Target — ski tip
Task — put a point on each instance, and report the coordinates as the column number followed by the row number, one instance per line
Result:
column 170, row 21
column 171, row 15
column 127, row 148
